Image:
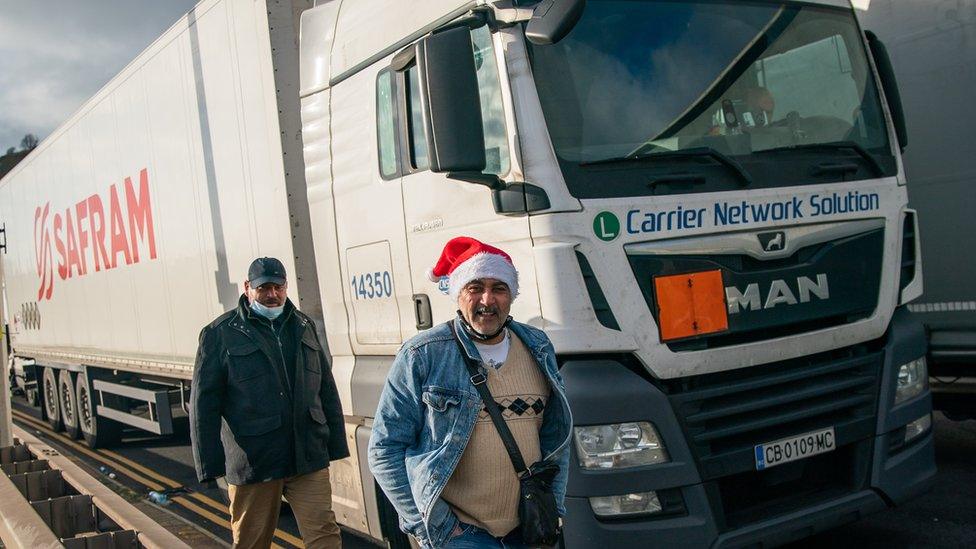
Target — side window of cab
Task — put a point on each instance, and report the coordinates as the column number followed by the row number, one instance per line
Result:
column 402, row 138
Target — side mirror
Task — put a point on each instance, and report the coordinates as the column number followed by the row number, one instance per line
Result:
column 452, row 106
column 887, row 74
column 552, row 20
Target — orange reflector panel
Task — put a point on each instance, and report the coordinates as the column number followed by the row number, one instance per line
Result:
column 691, row 304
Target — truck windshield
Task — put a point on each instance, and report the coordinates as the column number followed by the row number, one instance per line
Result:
column 782, row 91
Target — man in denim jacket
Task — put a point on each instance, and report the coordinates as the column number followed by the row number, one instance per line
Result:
column 433, row 449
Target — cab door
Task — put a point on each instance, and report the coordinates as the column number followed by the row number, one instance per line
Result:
column 437, row 208
column 369, row 221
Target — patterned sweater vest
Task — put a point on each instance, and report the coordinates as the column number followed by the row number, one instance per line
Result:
column 484, row 488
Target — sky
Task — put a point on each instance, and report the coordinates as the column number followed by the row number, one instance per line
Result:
column 55, row 54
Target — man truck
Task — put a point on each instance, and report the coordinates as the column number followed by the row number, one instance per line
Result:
column 933, row 50
column 706, row 202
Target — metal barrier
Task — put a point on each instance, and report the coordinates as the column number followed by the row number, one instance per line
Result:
column 49, row 501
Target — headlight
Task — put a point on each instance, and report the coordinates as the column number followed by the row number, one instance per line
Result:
column 620, row 445
column 627, row 505
column 913, row 378
column 918, row 427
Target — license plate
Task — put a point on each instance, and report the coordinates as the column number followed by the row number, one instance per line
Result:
column 790, row 449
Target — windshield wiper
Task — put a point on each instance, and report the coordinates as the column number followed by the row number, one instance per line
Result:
column 709, row 152
column 835, row 145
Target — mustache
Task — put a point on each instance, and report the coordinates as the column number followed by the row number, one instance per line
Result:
column 486, row 309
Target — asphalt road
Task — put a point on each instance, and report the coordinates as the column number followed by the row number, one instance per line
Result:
column 944, row 517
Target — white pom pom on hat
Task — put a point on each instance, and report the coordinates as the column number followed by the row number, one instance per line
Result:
column 465, row 259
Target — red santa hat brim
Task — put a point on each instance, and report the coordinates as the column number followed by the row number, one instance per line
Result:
column 484, row 265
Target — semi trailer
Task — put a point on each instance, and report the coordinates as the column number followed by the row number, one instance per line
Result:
column 706, row 202
column 933, row 50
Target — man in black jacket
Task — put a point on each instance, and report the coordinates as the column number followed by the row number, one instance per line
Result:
column 265, row 413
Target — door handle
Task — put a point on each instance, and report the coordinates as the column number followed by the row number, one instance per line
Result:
column 421, row 308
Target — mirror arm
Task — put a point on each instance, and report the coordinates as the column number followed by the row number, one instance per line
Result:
column 478, row 18
column 516, row 198
column 474, row 20
column 489, row 180
column 404, row 58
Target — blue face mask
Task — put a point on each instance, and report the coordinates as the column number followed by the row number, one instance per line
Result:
column 270, row 313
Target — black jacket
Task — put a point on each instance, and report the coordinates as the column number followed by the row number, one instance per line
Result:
column 254, row 418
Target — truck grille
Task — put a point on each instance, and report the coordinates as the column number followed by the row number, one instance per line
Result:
column 726, row 414
column 852, row 265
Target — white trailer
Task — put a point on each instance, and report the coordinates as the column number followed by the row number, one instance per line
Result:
column 705, row 201
column 933, row 50
column 134, row 222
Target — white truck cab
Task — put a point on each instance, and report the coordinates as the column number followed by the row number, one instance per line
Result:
column 705, row 201
column 706, row 205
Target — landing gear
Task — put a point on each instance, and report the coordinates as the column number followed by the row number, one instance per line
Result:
column 99, row 432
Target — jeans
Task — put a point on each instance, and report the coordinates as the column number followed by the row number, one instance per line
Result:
column 472, row 537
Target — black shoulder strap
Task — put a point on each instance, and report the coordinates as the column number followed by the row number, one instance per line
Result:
column 479, row 380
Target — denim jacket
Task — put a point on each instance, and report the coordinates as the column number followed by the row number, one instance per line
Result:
column 425, row 417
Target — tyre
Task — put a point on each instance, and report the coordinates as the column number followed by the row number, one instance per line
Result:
column 99, row 432
column 954, row 415
column 52, row 406
column 69, row 404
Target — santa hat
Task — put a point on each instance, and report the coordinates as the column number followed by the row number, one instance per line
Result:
column 465, row 259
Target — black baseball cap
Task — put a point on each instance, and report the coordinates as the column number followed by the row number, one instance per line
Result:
column 264, row 270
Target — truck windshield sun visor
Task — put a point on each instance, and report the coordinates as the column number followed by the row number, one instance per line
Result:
column 710, row 79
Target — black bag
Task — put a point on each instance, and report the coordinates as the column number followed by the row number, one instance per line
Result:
column 538, row 518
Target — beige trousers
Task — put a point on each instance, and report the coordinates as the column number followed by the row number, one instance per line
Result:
column 254, row 511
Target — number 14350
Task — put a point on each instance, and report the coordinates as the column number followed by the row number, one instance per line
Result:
column 375, row 285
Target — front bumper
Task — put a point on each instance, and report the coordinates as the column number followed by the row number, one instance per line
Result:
column 722, row 502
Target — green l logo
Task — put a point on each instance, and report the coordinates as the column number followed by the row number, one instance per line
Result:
column 606, row 226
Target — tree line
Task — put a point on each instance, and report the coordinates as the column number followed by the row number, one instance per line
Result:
column 13, row 156
column 28, row 143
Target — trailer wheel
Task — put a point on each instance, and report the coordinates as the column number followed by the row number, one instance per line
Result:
column 52, row 407
column 99, row 432
column 69, row 404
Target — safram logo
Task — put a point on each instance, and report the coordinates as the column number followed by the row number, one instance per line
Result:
column 42, row 252
column 87, row 236
column 606, row 226
column 444, row 285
